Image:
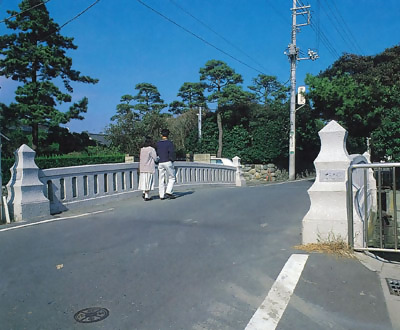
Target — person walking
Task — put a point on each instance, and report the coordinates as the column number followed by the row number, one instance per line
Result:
column 147, row 167
column 166, row 172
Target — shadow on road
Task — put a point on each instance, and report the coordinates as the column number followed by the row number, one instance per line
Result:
column 177, row 194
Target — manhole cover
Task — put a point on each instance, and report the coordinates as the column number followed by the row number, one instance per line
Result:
column 394, row 286
column 91, row 314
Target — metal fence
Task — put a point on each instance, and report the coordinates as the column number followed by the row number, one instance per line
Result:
column 374, row 203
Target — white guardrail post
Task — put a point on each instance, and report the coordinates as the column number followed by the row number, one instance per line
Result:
column 25, row 190
column 239, row 178
column 327, row 217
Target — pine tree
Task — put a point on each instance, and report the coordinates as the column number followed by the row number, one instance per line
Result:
column 35, row 55
column 221, row 81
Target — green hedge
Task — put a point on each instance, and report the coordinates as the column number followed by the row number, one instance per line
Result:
column 61, row 161
column 6, row 164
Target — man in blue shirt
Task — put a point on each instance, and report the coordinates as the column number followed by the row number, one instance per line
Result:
column 166, row 172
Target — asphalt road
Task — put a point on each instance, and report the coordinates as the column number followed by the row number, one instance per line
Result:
column 206, row 260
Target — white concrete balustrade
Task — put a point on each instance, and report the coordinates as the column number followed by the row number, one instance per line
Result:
column 70, row 187
column 61, row 189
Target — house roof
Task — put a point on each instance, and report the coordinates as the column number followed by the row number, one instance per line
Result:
column 99, row 138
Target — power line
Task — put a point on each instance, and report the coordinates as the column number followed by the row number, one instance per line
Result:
column 198, row 37
column 318, row 24
column 283, row 17
column 354, row 40
column 216, row 33
column 59, row 28
column 325, row 40
column 337, row 26
column 347, row 34
column 22, row 12
column 81, row 13
column 70, row 20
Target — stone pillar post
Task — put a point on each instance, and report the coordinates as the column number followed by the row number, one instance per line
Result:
column 26, row 200
column 240, row 181
column 327, row 216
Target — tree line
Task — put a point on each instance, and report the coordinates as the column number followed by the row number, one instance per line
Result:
column 250, row 124
column 362, row 93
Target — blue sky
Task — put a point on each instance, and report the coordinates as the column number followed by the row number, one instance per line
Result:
column 123, row 42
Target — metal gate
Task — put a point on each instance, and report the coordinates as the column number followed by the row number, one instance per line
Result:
column 373, row 195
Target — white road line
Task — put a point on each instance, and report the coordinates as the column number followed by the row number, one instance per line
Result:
column 53, row 220
column 271, row 310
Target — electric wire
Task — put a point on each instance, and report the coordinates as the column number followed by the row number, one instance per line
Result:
column 325, row 40
column 70, row 20
column 81, row 13
column 354, row 40
column 336, row 26
column 317, row 35
column 318, row 31
column 346, row 34
column 283, row 17
column 60, row 27
column 198, row 37
column 22, row 12
column 216, row 33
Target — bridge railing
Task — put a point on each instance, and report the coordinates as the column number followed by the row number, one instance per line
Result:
column 36, row 193
column 71, row 186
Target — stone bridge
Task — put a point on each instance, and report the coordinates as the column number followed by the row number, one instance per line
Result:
column 35, row 193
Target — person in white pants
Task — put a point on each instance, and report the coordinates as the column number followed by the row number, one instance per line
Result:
column 166, row 172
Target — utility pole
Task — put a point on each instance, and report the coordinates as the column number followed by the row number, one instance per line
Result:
column 293, row 54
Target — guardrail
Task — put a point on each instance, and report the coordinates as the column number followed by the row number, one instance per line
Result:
column 34, row 193
column 71, row 186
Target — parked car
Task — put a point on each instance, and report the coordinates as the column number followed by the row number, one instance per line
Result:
column 221, row 161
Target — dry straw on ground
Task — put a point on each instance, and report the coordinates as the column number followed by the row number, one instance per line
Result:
column 335, row 246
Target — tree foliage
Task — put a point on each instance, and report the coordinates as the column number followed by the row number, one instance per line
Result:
column 181, row 127
column 221, row 82
column 35, row 55
column 192, row 95
column 148, row 99
column 343, row 99
column 254, row 129
column 268, row 90
column 363, row 94
column 137, row 116
column 123, row 131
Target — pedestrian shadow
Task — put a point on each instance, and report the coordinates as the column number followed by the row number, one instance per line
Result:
column 177, row 194
column 182, row 194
